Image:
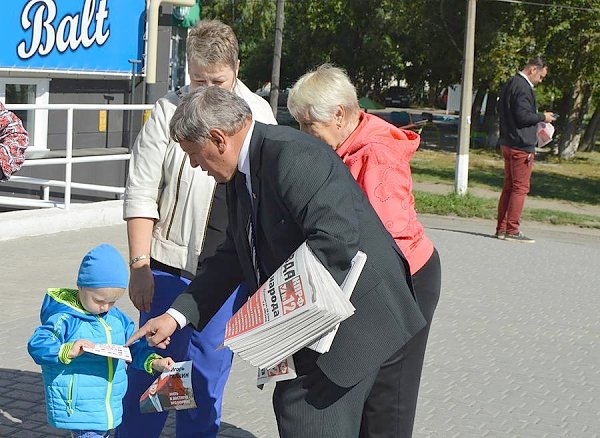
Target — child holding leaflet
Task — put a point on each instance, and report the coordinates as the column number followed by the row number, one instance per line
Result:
column 83, row 390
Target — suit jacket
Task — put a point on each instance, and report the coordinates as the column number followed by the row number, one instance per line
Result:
column 303, row 191
column 517, row 111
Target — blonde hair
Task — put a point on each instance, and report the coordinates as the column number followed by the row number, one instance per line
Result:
column 212, row 42
column 318, row 93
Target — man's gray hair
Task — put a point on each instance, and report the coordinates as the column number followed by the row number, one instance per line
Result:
column 208, row 108
column 318, row 93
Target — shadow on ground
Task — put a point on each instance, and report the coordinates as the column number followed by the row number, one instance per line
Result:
column 472, row 233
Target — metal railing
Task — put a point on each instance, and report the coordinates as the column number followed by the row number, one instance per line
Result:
column 69, row 160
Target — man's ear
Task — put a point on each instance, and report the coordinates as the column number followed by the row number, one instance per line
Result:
column 530, row 70
column 219, row 139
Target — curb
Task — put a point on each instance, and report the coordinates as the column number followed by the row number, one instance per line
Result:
column 23, row 223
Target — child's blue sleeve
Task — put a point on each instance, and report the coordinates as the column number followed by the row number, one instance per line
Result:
column 45, row 344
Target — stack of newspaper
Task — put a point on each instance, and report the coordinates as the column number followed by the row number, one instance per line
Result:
column 300, row 305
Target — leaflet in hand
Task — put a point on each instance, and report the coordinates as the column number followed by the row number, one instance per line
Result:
column 171, row 391
column 545, row 131
column 110, row 350
column 284, row 370
column 300, row 303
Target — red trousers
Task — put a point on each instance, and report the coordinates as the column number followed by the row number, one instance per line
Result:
column 517, row 175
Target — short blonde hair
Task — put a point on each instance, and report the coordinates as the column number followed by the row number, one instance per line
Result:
column 212, row 42
column 318, row 93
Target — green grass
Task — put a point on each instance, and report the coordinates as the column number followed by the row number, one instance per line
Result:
column 473, row 206
column 561, row 218
column 452, row 204
column 575, row 181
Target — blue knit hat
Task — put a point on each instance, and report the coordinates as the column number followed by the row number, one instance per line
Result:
column 103, row 266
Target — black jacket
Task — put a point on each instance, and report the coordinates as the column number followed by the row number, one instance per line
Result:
column 517, row 110
column 303, row 191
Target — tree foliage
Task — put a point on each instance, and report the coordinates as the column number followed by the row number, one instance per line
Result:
column 421, row 41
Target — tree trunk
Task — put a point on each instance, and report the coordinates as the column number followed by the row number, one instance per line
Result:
column 490, row 120
column 571, row 134
column 580, row 100
column 276, row 68
column 588, row 140
column 476, row 109
column 431, row 95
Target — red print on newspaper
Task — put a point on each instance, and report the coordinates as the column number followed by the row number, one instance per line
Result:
column 292, row 294
column 250, row 316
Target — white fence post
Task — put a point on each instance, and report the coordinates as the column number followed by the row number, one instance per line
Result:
column 69, row 157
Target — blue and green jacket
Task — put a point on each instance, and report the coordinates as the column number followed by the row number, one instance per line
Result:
column 83, row 393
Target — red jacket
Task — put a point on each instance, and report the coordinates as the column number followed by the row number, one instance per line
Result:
column 378, row 155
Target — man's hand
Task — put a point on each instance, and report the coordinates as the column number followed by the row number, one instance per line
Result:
column 141, row 287
column 157, row 331
column 549, row 117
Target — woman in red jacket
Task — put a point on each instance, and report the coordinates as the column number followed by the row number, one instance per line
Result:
column 378, row 154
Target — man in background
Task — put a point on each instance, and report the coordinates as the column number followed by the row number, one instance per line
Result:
column 517, row 110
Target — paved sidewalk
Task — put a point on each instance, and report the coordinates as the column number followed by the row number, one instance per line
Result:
column 514, row 349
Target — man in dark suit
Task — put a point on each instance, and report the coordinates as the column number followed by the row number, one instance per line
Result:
column 283, row 188
column 518, row 114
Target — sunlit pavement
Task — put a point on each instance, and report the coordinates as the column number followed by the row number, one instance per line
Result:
column 514, row 349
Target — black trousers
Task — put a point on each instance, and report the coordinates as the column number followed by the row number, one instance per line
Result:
column 390, row 409
column 381, row 405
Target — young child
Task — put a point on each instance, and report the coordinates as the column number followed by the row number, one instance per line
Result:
column 84, row 390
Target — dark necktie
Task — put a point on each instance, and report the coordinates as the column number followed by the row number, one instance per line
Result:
column 248, row 210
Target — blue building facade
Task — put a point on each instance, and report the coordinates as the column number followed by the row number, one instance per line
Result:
column 81, row 51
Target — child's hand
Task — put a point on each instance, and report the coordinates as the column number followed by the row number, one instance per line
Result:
column 77, row 349
column 163, row 364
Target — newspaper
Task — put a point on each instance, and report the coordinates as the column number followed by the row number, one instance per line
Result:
column 296, row 306
column 285, row 369
column 323, row 344
column 172, row 390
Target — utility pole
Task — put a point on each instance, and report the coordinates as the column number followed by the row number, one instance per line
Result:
column 134, row 63
column 461, row 175
column 275, row 72
column 153, row 91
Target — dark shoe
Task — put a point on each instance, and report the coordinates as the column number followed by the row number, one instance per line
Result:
column 500, row 235
column 519, row 237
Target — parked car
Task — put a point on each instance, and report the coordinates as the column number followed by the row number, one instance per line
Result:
column 397, row 96
column 265, row 93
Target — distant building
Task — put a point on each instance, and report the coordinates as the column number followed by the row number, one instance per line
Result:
column 86, row 51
